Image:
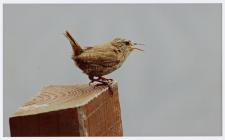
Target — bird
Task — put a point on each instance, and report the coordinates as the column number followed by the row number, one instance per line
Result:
column 101, row 59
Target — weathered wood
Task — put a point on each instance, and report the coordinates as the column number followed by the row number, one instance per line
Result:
column 69, row 110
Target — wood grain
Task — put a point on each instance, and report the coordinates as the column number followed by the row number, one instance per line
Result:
column 69, row 110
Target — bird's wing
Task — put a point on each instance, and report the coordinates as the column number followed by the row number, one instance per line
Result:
column 98, row 56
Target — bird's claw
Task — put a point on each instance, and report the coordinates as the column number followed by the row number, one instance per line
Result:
column 105, row 79
column 105, row 84
column 90, row 83
column 102, row 82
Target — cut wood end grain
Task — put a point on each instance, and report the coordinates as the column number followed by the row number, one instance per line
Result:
column 58, row 97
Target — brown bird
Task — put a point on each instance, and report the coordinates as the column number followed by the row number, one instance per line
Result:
column 101, row 59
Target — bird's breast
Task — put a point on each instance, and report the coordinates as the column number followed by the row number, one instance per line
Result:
column 96, row 69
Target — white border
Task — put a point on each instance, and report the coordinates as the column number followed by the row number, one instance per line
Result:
column 112, row 1
column 108, row 1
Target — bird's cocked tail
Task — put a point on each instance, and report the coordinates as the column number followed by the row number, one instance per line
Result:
column 77, row 50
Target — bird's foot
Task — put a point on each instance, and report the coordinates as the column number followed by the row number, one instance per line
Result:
column 91, row 82
column 93, row 79
column 105, row 79
column 101, row 82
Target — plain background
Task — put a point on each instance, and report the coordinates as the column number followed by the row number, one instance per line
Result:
column 173, row 88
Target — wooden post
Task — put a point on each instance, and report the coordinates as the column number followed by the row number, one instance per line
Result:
column 69, row 110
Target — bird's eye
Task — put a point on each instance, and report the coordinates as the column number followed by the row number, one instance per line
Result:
column 127, row 43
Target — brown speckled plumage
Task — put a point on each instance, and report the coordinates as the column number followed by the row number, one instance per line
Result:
column 101, row 59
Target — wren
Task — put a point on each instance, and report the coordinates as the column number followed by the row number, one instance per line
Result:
column 102, row 59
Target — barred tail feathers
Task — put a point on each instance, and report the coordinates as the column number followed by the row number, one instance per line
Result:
column 77, row 50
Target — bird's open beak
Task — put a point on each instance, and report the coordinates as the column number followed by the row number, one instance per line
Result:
column 134, row 48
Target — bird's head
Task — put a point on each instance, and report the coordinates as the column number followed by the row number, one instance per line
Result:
column 126, row 45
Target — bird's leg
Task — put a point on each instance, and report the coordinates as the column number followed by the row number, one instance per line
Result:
column 92, row 78
column 102, row 82
column 105, row 79
column 105, row 82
